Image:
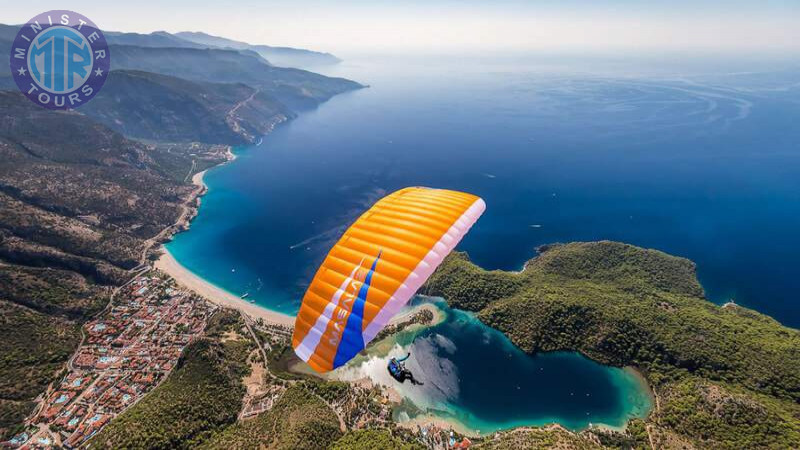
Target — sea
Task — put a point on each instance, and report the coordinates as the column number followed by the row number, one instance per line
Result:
column 698, row 157
column 478, row 381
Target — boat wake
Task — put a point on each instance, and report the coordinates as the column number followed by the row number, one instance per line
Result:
column 324, row 235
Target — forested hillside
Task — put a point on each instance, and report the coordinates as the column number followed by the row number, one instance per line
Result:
column 78, row 203
column 157, row 107
column 295, row 88
column 724, row 377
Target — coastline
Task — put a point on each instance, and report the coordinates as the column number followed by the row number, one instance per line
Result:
column 438, row 315
column 426, row 418
column 185, row 277
column 444, row 423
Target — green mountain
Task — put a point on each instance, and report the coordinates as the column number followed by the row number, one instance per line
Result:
column 8, row 33
column 279, row 56
column 92, row 172
column 78, row 204
column 6, row 40
column 294, row 87
column 159, row 107
column 33, row 349
column 168, row 54
column 164, row 39
column 724, row 377
column 155, row 39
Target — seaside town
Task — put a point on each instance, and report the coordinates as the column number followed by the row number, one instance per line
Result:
column 126, row 352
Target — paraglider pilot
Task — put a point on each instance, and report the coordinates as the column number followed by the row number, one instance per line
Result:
column 399, row 372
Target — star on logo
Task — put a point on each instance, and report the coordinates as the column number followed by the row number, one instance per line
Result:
column 98, row 72
column 22, row 71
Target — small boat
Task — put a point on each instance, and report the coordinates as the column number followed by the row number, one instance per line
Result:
column 245, row 295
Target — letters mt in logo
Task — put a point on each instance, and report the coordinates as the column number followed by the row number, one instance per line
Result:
column 60, row 59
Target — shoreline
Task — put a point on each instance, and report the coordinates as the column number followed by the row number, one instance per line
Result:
column 185, row 277
column 168, row 264
column 429, row 420
column 197, row 178
column 438, row 315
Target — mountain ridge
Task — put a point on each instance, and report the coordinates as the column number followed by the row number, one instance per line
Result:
column 298, row 89
column 78, row 205
column 151, row 106
column 280, row 56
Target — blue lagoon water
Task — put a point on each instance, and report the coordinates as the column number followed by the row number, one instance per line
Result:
column 476, row 377
column 695, row 161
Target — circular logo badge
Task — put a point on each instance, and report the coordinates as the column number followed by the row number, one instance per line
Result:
column 60, row 59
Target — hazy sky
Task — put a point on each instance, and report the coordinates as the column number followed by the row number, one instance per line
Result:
column 439, row 26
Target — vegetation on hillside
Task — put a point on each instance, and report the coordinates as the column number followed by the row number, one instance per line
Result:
column 374, row 439
column 278, row 56
column 298, row 420
column 293, row 87
column 33, row 348
column 74, row 217
column 51, row 291
column 89, row 201
column 158, row 107
column 197, row 405
column 725, row 377
column 39, row 331
column 539, row 438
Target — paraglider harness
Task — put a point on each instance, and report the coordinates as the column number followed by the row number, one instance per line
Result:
column 399, row 372
column 396, row 370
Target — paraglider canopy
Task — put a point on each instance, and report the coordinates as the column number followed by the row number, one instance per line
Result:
column 375, row 268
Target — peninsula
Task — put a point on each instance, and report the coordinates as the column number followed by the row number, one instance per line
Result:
column 723, row 377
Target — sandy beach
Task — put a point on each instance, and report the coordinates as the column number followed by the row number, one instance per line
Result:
column 197, row 179
column 438, row 315
column 427, row 420
column 186, row 278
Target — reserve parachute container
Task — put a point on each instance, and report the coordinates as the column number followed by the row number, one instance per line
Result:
column 375, row 268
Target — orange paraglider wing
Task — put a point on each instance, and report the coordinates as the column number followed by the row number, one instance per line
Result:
column 375, row 268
